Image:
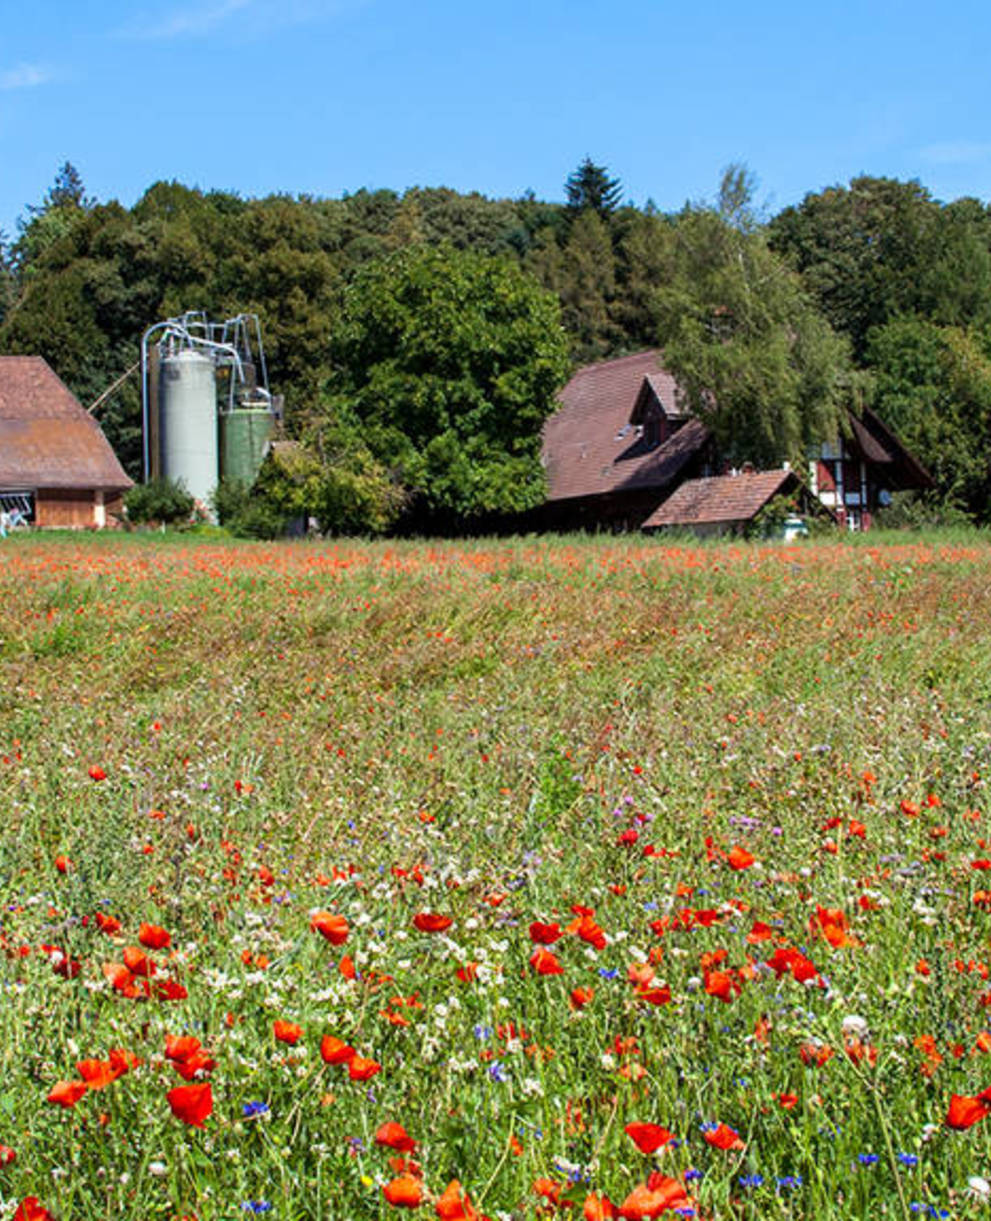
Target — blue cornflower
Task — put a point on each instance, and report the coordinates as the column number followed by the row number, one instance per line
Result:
column 257, row 1206
column 251, row 1109
column 908, row 1159
column 691, row 1174
column 497, row 1071
column 482, row 1032
column 867, row 1159
column 789, row 1181
column 751, row 1181
column 608, row 972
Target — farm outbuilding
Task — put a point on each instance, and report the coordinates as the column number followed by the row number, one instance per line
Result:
column 623, row 453
column 56, row 466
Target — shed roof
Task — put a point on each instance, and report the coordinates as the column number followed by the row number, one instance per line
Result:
column 592, row 445
column 47, row 439
column 721, row 499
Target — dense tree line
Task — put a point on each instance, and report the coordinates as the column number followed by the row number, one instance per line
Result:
column 870, row 292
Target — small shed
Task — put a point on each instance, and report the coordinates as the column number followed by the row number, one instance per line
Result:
column 721, row 504
column 56, row 465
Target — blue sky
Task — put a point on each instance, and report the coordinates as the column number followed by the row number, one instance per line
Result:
column 321, row 97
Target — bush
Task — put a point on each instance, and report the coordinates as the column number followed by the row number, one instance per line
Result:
column 245, row 513
column 159, row 500
column 919, row 511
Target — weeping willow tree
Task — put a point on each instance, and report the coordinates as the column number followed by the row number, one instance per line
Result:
column 753, row 356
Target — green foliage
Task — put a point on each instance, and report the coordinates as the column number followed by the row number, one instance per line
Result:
column 160, row 500
column 932, row 386
column 590, row 187
column 880, row 248
column 447, row 364
column 246, row 514
column 753, row 356
column 919, row 511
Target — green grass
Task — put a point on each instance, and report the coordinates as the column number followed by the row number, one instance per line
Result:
column 469, row 729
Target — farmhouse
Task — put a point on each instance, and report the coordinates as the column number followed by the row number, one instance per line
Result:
column 621, row 453
column 56, row 465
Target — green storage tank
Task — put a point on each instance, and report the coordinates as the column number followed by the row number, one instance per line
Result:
column 244, row 434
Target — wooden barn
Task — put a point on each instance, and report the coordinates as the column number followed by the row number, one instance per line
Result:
column 621, row 448
column 56, row 466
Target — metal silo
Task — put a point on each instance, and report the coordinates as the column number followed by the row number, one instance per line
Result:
column 188, row 421
column 245, row 433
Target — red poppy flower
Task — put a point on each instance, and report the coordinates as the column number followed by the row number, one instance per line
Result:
column 660, row 995
column 722, row 985
column 153, row 937
column 545, row 962
column 394, row 1136
column 598, row 1208
column 30, row 1210
column 431, row 922
column 740, row 858
column 334, row 928
column 580, row 997
column 123, row 1061
column 454, row 1205
column 193, row 1104
column 138, row 962
column 965, row 1111
column 648, row 1137
column 654, row 1197
column 180, row 1047
column 107, row 924
column 63, row 864
column 97, row 1074
column 7, row 1156
column 360, row 1069
column 287, row 1032
column 545, row 934
column 723, row 1137
column 404, row 1192
column 66, row 1094
column 335, row 1051
column 97, row 773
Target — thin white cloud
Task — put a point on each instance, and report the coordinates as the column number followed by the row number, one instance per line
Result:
column 253, row 17
column 956, row 152
column 202, row 19
column 24, row 76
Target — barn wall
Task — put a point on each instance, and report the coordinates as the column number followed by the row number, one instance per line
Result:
column 72, row 509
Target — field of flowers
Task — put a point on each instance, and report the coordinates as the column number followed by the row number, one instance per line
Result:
column 515, row 879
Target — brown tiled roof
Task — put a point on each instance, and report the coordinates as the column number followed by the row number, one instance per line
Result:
column 722, row 498
column 591, row 445
column 47, row 440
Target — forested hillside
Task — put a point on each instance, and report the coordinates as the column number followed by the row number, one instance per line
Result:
column 872, row 292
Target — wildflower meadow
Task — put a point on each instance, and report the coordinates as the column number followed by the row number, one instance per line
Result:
column 511, row 879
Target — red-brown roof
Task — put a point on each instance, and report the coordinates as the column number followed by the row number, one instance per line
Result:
column 47, row 440
column 720, row 499
column 592, row 446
